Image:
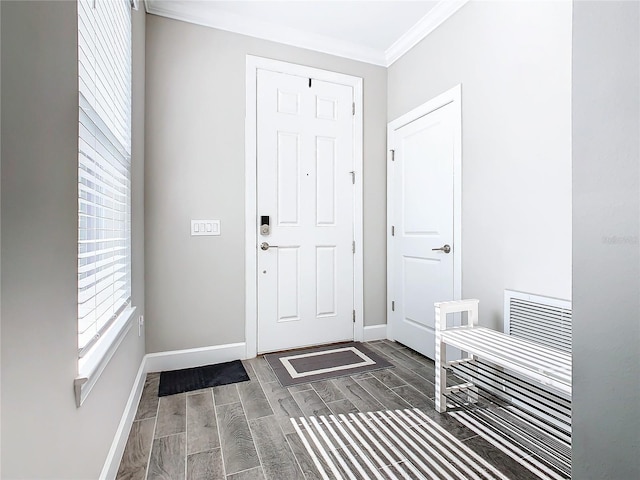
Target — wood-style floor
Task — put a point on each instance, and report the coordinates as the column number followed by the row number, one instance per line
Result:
column 243, row 431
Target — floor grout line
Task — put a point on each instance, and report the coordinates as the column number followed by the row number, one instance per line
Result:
column 215, row 414
column 274, row 412
column 253, row 441
column 254, row 445
column 246, row 470
column 286, row 439
column 186, row 434
column 153, row 437
column 202, row 451
column 380, row 401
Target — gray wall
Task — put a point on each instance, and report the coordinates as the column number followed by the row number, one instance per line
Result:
column 44, row 435
column 195, row 169
column 513, row 60
column 606, row 258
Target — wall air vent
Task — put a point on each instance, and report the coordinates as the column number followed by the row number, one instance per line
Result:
column 544, row 320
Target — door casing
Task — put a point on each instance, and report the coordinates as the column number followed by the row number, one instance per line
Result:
column 253, row 64
column 453, row 95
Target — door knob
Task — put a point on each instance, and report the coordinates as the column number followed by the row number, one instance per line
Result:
column 445, row 249
column 266, row 246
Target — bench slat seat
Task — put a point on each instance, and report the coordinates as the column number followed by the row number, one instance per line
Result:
column 542, row 364
column 545, row 365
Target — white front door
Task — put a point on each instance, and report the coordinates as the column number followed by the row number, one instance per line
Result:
column 422, row 248
column 305, row 193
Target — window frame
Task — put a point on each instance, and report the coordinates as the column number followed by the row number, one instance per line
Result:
column 95, row 354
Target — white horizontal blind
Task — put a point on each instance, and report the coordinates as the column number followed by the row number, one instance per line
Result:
column 104, row 166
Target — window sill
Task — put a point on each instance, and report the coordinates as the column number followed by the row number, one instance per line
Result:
column 91, row 366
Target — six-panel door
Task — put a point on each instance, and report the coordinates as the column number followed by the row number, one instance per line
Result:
column 304, row 185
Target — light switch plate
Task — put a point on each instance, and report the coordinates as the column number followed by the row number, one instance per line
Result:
column 203, row 228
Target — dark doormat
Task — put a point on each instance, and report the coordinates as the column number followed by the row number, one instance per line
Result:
column 321, row 363
column 188, row 379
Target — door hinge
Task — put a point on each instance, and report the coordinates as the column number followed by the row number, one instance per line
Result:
column 353, row 246
column 353, row 177
column 393, row 306
column 393, row 155
column 353, row 108
column 354, row 316
column 393, row 231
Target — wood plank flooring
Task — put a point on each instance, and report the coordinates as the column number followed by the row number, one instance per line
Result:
column 243, row 431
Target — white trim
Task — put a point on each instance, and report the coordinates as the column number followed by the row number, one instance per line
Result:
column 453, row 95
column 223, row 20
column 114, row 457
column 427, row 24
column 244, row 25
column 250, row 213
column 390, row 209
column 358, row 211
column 251, row 267
column 194, row 357
column 375, row 332
column 91, row 366
column 456, row 97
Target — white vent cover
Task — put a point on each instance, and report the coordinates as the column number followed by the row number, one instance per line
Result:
column 544, row 320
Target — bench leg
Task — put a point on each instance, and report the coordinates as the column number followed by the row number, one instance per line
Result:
column 441, row 375
column 472, row 392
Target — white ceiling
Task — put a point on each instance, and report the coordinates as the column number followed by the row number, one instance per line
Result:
column 377, row 32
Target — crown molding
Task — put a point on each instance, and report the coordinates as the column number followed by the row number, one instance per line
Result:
column 222, row 20
column 427, row 24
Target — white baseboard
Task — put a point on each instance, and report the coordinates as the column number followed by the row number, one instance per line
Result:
column 157, row 362
column 375, row 332
column 111, row 464
column 194, row 357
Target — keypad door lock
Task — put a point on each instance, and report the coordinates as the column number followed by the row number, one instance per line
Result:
column 265, row 228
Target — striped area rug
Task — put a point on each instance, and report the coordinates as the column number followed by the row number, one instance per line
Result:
column 400, row 444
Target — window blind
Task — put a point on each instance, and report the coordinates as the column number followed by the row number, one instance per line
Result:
column 104, row 166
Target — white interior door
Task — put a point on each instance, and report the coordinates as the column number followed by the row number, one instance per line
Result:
column 305, row 142
column 422, row 248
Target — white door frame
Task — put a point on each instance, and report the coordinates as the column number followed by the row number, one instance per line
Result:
column 251, row 253
column 454, row 95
